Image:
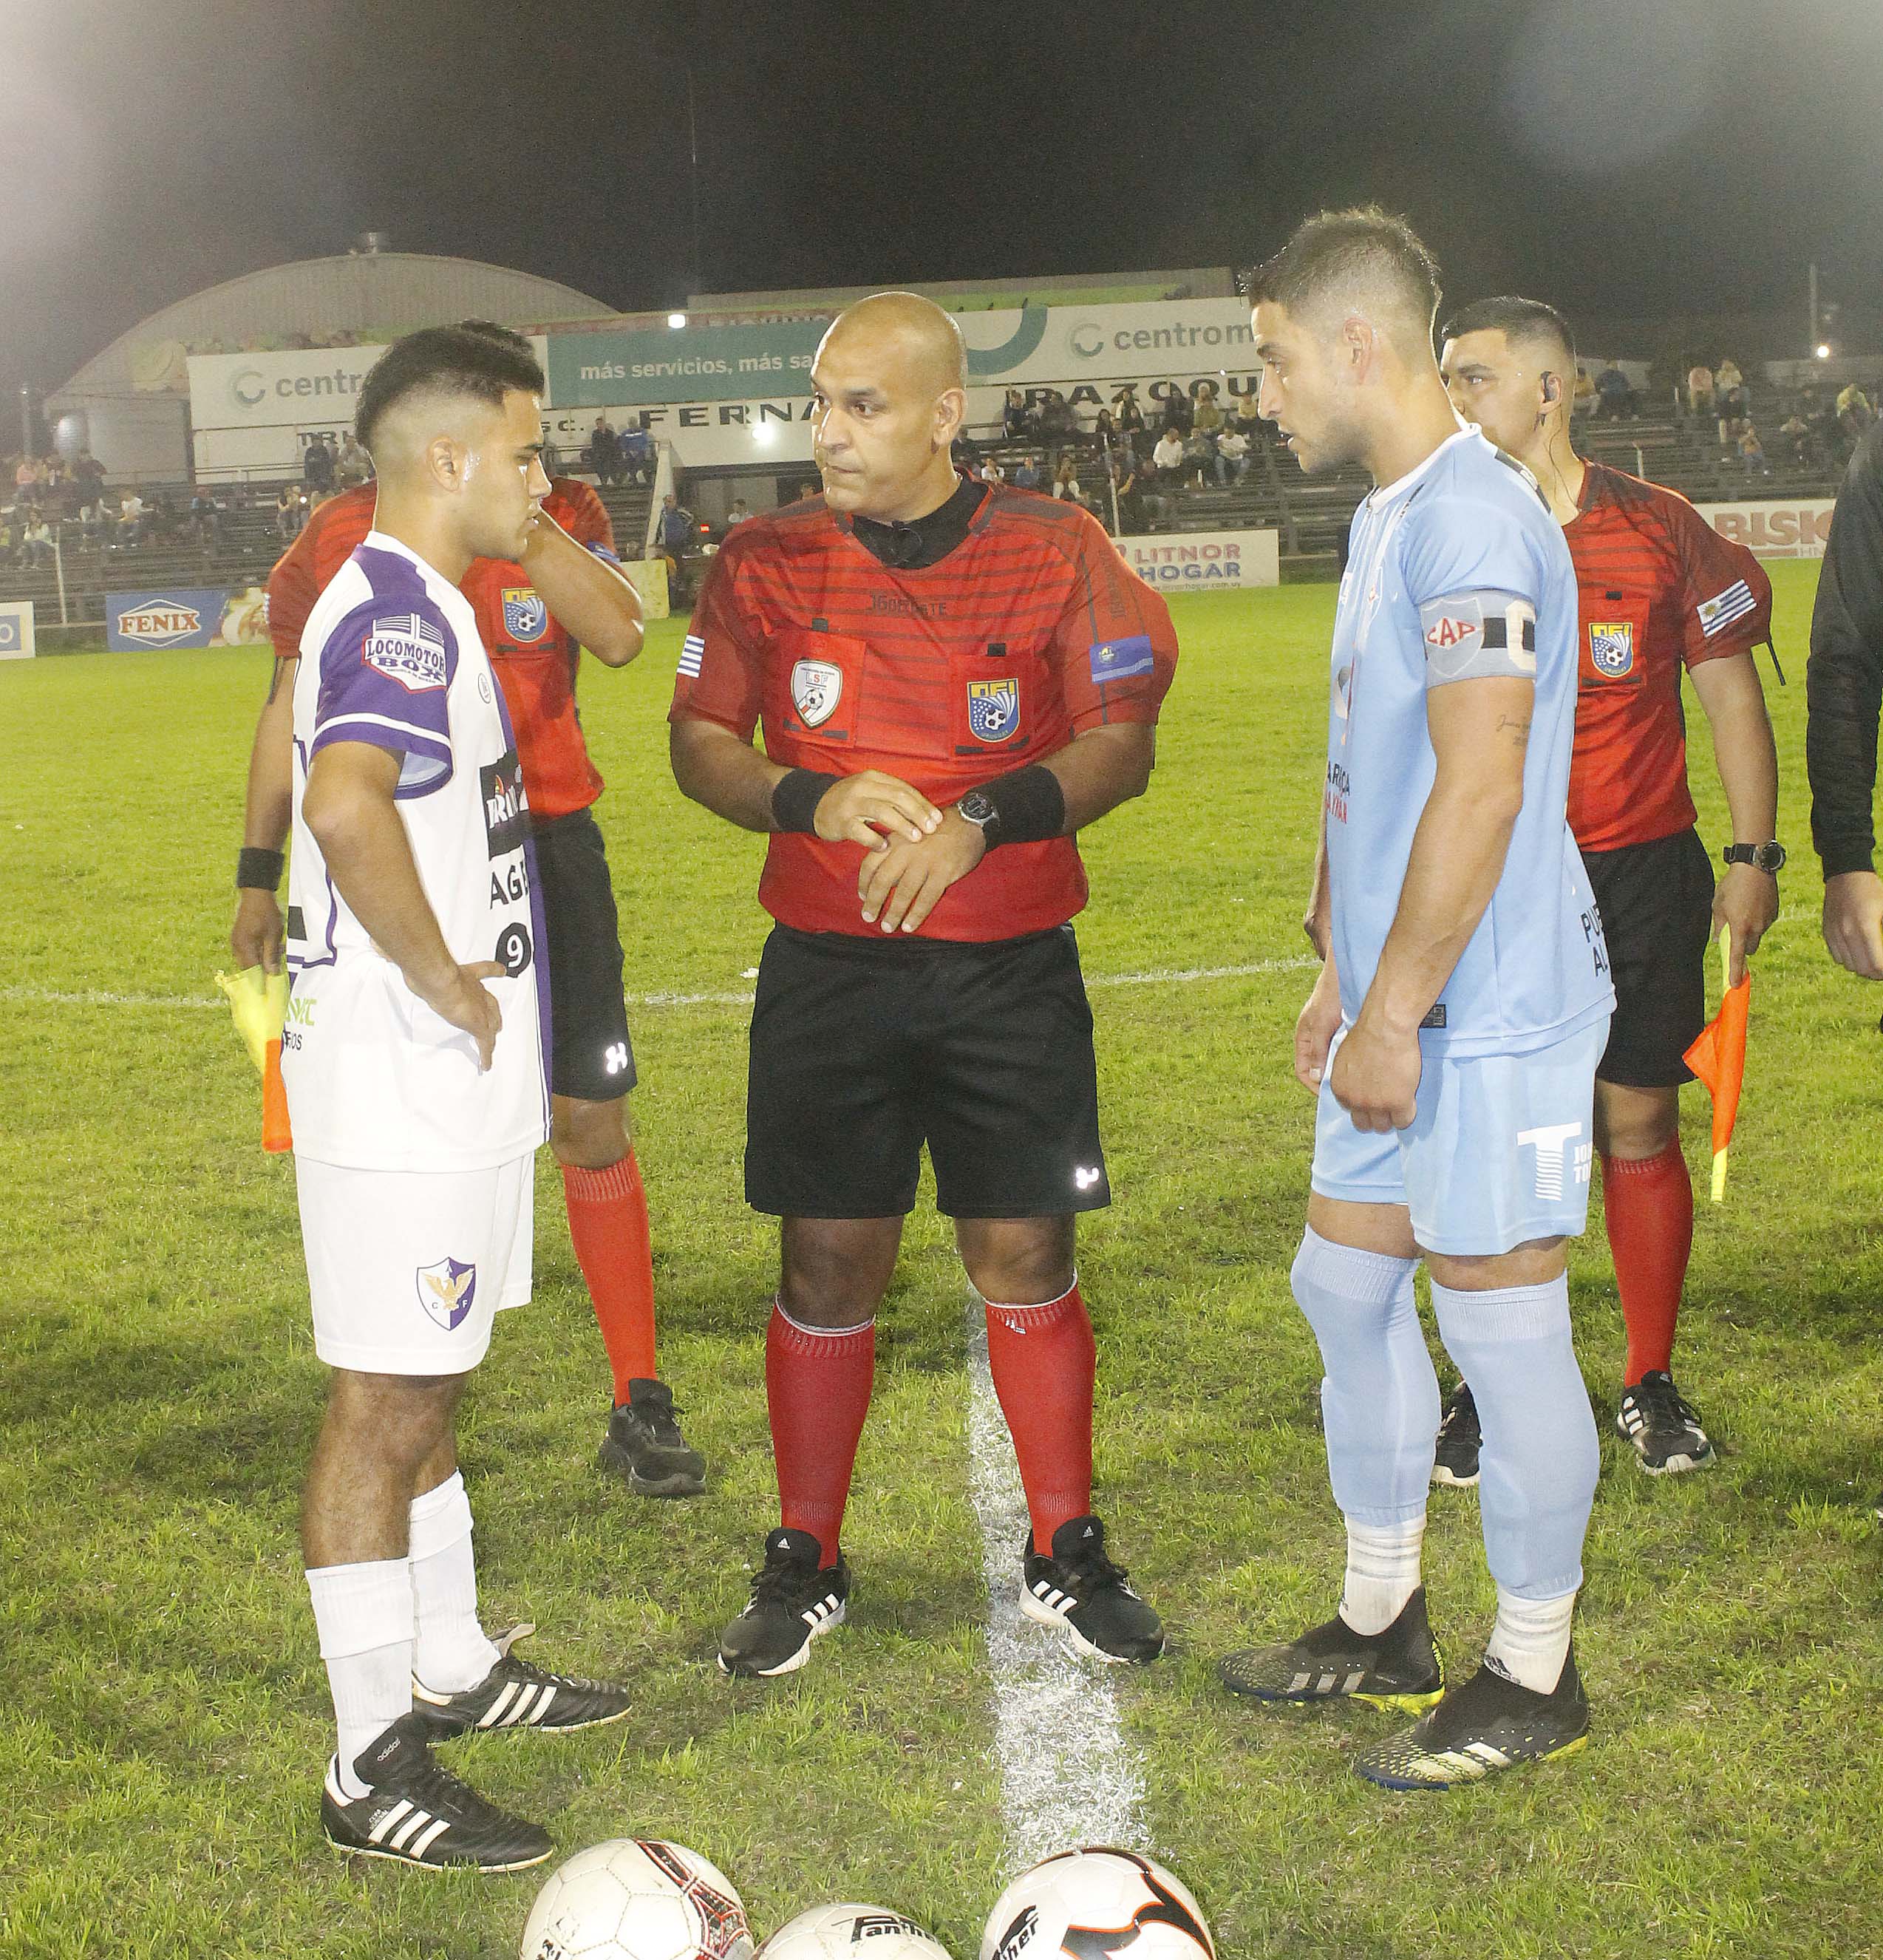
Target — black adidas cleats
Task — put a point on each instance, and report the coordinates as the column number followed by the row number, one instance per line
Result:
column 517, row 1694
column 644, row 1444
column 1661, row 1426
column 416, row 1812
column 1460, row 1440
column 1400, row 1668
column 1489, row 1724
column 1078, row 1588
column 793, row 1601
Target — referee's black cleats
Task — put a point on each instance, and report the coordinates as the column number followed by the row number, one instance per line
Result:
column 1400, row 1668
column 793, row 1600
column 1486, row 1725
column 1656, row 1420
column 416, row 1812
column 1460, row 1440
column 644, row 1445
column 517, row 1694
column 1077, row 1588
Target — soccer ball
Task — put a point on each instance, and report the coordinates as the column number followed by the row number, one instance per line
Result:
column 1075, row 1903
column 827, row 1931
column 637, row 1899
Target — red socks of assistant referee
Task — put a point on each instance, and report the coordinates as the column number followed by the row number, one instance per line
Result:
column 817, row 1385
column 608, row 1221
column 1648, row 1203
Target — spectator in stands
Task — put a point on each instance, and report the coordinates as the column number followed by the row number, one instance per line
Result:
column 36, row 541
column 1733, row 405
column 1800, row 442
column 738, row 513
column 89, row 474
column 1105, row 432
column 1231, row 457
column 131, row 511
column 1752, row 452
column 1582, row 396
column 1199, row 457
column 1700, row 391
column 1727, row 375
column 1855, row 414
column 1131, row 417
column 1057, row 423
column 24, row 474
column 1207, row 415
column 1245, row 422
column 1066, row 480
column 1129, row 488
column 205, row 516
column 316, row 465
column 1614, row 394
column 1026, row 474
column 1179, row 413
column 290, row 512
column 1167, row 458
column 805, row 491
column 1013, row 416
column 354, row 465
column 992, row 472
column 602, row 454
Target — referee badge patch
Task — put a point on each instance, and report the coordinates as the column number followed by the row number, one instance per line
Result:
column 816, row 688
column 525, row 617
column 1611, row 647
column 447, row 1287
column 994, row 709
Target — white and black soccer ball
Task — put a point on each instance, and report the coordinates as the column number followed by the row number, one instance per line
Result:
column 638, row 1899
column 853, row 1932
column 1091, row 1903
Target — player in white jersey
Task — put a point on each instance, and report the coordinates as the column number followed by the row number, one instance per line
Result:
column 414, row 1057
column 1453, row 1035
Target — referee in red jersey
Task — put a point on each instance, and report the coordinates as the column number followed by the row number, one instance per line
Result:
column 953, row 679
column 1660, row 592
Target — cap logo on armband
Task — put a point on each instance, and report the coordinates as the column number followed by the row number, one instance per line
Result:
column 816, row 688
column 447, row 1287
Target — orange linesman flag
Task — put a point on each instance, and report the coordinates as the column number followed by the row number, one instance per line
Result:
column 1719, row 1058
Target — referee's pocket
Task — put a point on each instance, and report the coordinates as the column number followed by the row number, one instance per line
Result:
column 814, row 688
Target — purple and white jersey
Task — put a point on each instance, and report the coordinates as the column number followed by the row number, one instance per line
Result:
column 376, row 1080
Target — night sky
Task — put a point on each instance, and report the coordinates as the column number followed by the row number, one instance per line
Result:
column 1625, row 158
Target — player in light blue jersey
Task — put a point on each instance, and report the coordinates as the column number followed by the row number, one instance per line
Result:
column 1453, row 1035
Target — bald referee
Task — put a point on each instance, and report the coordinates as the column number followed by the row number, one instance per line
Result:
column 953, row 678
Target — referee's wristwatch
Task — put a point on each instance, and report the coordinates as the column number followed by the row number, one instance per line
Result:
column 1767, row 857
column 978, row 808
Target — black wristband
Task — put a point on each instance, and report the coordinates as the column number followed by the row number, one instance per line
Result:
column 259, row 870
column 1030, row 805
column 795, row 797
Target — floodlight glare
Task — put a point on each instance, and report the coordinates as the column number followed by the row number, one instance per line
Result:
column 676, row 319
column 765, row 434
column 1824, row 350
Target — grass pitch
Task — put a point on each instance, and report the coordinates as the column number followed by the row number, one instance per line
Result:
column 162, row 1713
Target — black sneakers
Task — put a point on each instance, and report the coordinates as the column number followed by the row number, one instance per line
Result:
column 516, row 1694
column 416, row 1812
column 1663, row 1427
column 1400, row 1668
column 1460, row 1440
column 1078, row 1588
column 793, row 1601
column 644, row 1445
column 1489, row 1724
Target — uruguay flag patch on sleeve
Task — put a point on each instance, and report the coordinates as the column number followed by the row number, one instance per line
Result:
column 1122, row 660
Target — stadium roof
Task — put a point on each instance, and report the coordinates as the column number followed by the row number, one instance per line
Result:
column 1206, row 282
column 353, row 297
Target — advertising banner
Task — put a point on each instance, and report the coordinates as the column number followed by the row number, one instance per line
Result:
column 1789, row 527
column 1204, row 561
column 16, row 630
column 186, row 616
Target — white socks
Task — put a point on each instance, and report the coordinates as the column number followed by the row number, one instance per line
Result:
column 451, row 1651
column 363, row 1613
column 1531, row 1640
column 1382, row 1573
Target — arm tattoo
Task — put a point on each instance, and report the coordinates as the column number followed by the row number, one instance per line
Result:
column 1519, row 730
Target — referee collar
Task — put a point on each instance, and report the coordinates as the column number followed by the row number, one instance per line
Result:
column 915, row 547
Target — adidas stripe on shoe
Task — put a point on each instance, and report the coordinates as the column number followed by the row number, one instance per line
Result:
column 1400, row 1668
column 1489, row 1724
column 517, row 1694
column 794, row 1600
column 1076, row 1587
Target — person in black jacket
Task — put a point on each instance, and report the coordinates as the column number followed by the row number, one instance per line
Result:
column 1844, row 690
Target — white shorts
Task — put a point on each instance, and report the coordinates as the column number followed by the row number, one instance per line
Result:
column 407, row 1269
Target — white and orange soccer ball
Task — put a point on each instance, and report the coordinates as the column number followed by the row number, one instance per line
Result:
column 1094, row 1902
column 845, row 1932
column 637, row 1898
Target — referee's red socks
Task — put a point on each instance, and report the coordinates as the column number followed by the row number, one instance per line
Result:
column 1649, row 1204
column 817, row 1384
column 1043, row 1363
column 608, row 1221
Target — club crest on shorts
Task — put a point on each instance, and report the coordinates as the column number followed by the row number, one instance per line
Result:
column 994, row 709
column 1611, row 647
column 816, row 688
column 525, row 617
column 446, row 1288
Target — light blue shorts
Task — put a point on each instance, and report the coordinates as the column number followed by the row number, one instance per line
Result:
column 1499, row 1153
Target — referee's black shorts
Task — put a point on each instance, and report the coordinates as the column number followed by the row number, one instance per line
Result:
column 864, row 1048
column 1656, row 901
column 591, row 1057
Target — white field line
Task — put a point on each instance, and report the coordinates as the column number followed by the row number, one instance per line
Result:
column 22, row 995
column 1068, row 1776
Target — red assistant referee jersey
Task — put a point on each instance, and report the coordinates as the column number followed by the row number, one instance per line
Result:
column 1031, row 631
column 534, row 658
column 1659, row 589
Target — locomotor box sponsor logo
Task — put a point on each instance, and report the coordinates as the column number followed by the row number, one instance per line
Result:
column 185, row 617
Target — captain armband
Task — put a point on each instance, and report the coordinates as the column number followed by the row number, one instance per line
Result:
column 1478, row 636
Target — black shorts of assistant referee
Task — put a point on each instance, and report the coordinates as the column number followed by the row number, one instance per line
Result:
column 591, row 1057
column 1656, row 902
column 863, row 1049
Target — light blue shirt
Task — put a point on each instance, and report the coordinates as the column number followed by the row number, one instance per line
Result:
column 1459, row 569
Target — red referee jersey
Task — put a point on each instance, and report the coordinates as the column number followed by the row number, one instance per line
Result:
column 1659, row 589
column 534, row 658
column 1029, row 631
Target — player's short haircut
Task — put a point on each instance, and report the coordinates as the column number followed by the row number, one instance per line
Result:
column 1520, row 321
column 1339, row 260
column 505, row 336
column 445, row 360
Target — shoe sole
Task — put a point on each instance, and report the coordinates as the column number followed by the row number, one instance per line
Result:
column 1673, row 1465
column 1451, row 1479
column 681, row 1483
column 1415, row 1704
column 797, row 1660
column 1385, row 1782
column 424, row 1865
column 444, row 1727
column 1044, row 1615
